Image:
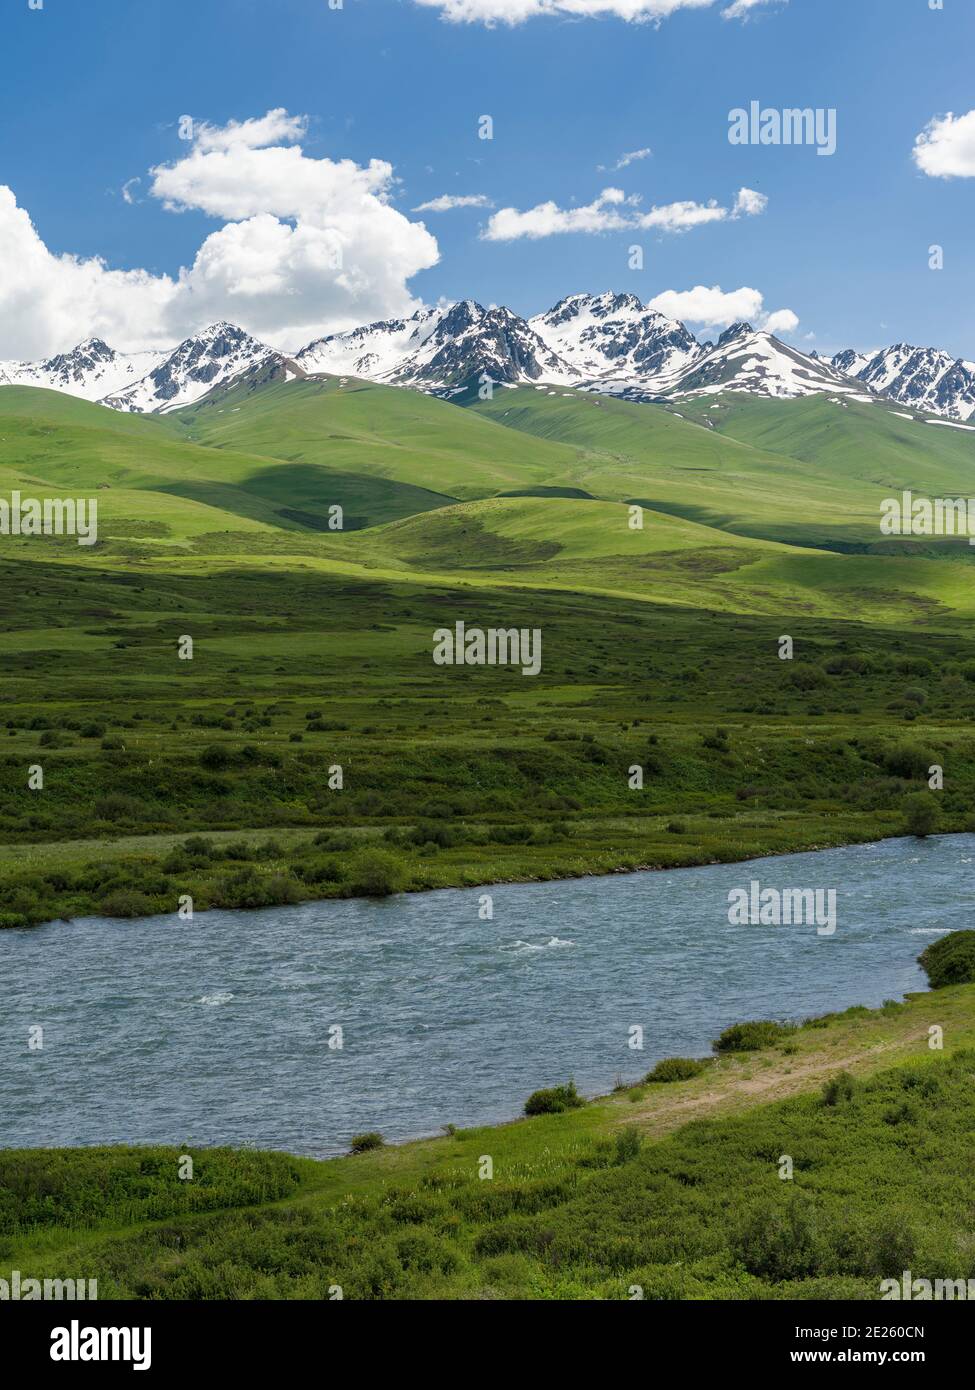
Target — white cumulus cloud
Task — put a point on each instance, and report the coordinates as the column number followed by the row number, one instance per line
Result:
column 681, row 217
column 748, row 203
column 716, row 308
column 274, row 128
column 613, row 211
column 625, row 160
column 945, row 148
column 447, row 201
column 783, row 321
column 491, row 12
column 307, row 245
column 547, row 219
column 741, row 9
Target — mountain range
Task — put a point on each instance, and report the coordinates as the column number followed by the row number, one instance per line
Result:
column 610, row 344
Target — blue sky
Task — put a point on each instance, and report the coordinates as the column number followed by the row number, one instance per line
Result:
column 92, row 94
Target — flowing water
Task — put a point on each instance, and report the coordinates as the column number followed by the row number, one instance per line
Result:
column 218, row 1030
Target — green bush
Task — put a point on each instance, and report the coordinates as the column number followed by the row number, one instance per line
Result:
column 628, row 1143
column 117, row 806
column 248, row 888
column 214, row 758
column 909, row 760
column 362, row 1143
column 679, row 1068
column 922, row 814
column 375, row 873
column 839, row 1088
column 554, row 1100
column 950, row 960
column 752, row 1037
column 126, row 902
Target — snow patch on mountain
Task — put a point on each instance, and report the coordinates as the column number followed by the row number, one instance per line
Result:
column 612, row 336
column 750, row 361
column 925, row 378
column 219, row 355
column 373, row 351
column 606, row 343
column 91, row 370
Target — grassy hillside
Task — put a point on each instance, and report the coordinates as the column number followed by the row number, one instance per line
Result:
column 589, row 545
column 313, row 649
column 152, row 483
column 378, row 431
column 660, row 1191
column 807, row 472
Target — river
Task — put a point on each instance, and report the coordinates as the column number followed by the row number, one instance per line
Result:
column 218, row 1030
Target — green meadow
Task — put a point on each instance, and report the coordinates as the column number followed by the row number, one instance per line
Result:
column 311, row 728
column 666, row 1190
column 310, row 748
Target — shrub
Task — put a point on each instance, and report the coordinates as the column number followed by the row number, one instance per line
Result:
column 247, row 888
column 362, row 1143
column 752, row 1037
column 329, row 839
column 118, row 806
column 950, row 960
column 922, row 814
column 197, row 847
column 126, row 902
column 778, row 1241
column 554, row 1100
column 214, row 758
column 375, row 873
column 807, row 677
column 839, row 1088
column 628, row 1143
column 679, row 1068
column 908, row 760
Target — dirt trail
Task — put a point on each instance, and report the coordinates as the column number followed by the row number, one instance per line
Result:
column 757, row 1078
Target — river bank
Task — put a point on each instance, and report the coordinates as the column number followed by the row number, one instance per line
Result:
column 139, row 876
column 567, row 1209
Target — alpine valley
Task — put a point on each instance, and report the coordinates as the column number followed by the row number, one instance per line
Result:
column 657, row 512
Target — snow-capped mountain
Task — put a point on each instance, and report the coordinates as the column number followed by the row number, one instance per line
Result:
column 612, row 337
column 440, row 350
column 849, row 362
column 92, row 370
column 469, row 342
column 373, row 351
column 924, row 378
column 611, row 344
column 220, row 354
column 744, row 359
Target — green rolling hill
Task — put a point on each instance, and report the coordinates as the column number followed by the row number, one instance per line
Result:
column 532, row 489
column 807, row 472
column 372, row 430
